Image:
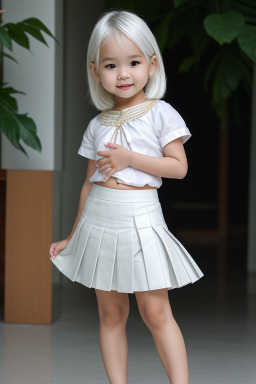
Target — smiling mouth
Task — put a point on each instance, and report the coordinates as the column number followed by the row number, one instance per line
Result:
column 127, row 86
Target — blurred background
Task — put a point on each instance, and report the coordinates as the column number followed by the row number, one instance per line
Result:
column 48, row 324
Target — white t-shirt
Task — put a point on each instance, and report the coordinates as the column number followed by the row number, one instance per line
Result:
column 146, row 134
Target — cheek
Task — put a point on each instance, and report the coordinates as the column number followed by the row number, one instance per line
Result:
column 142, row 74
column 107, row 79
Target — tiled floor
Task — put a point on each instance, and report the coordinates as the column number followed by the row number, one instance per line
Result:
column 216, row 316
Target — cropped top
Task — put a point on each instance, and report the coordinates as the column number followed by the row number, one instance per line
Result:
column 144, row 128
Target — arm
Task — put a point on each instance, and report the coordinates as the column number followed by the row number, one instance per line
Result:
column 91, row 168
column 173, row 165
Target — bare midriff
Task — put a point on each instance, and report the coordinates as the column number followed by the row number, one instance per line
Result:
column 111, row 183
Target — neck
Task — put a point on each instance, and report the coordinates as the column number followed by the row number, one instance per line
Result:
column 122, row 103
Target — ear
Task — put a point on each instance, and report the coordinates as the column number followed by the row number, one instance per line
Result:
column 94, row 72
column 152, row 65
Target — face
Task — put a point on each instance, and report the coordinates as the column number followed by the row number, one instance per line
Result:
column 123, row 70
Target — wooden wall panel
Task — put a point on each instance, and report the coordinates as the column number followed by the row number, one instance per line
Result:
column 28, row 269
column 2, row 238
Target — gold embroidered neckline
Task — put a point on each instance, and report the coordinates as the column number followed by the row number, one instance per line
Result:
column 117, row 118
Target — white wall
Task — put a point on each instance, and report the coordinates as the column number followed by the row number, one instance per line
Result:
column 38, row 77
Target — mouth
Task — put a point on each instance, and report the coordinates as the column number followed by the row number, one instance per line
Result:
column 125, row 86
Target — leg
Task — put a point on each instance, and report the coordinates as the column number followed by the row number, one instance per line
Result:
column 113, row 309
column 155, row 310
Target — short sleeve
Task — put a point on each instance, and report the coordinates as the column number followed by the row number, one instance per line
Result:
column 87, row 147
column 169, row 125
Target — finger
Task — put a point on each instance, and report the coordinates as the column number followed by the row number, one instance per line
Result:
column 53, row 254
column 103, row 153
column 51, row 249
column 112, row 145
column 103, row 162
column 105, row 166
column 100, row 161
column 110, row 173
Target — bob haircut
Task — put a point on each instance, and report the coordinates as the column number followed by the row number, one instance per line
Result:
column 119, row 23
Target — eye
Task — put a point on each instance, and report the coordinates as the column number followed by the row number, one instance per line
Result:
column 134, row 61
column 107, row 66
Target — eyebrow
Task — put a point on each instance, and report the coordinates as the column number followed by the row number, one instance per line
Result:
column 113, row 58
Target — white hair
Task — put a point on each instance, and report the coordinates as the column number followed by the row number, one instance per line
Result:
column 119, row 23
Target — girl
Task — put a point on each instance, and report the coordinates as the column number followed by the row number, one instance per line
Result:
column 120, row 242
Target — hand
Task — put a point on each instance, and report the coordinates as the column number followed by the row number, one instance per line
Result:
column 117, row 159
column 55, row 248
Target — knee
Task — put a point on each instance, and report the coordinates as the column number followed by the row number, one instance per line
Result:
column 156, row 317
column 114, row 315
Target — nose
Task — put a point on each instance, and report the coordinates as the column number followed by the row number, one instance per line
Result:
column 123, row 74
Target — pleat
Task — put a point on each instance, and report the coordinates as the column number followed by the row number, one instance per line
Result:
column 196, row 272
column 91, row 244
column 193, row 269
column 123, row 275
column 167, row 262
column 154, row 265
column 182, row 267
column 66, row 259
column 107, row 253
column 168, row 269
column 124, row 262
column 86, row 232
column 140, row 275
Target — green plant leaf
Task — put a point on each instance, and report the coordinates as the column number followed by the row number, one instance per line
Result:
column 198, row 38
column 187, row 64
column 28, row 132
column 245, row 66
column 247, row 41
column 227, row 76
column 10, row 57
column 9, row 90
column 246, row 7
column 33, row 32
column 178, row 28
column 224, row 27
column 5, row 38
column 17, row 34
column 11, row 130
column 178, row 3
column 219, row 109
column 36, row 23
column 16, row 126
column 7, row 100
column 209, row 72
column 176, row 32
column 161, row 32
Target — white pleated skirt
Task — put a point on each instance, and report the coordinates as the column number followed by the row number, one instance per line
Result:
column 122, row 243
